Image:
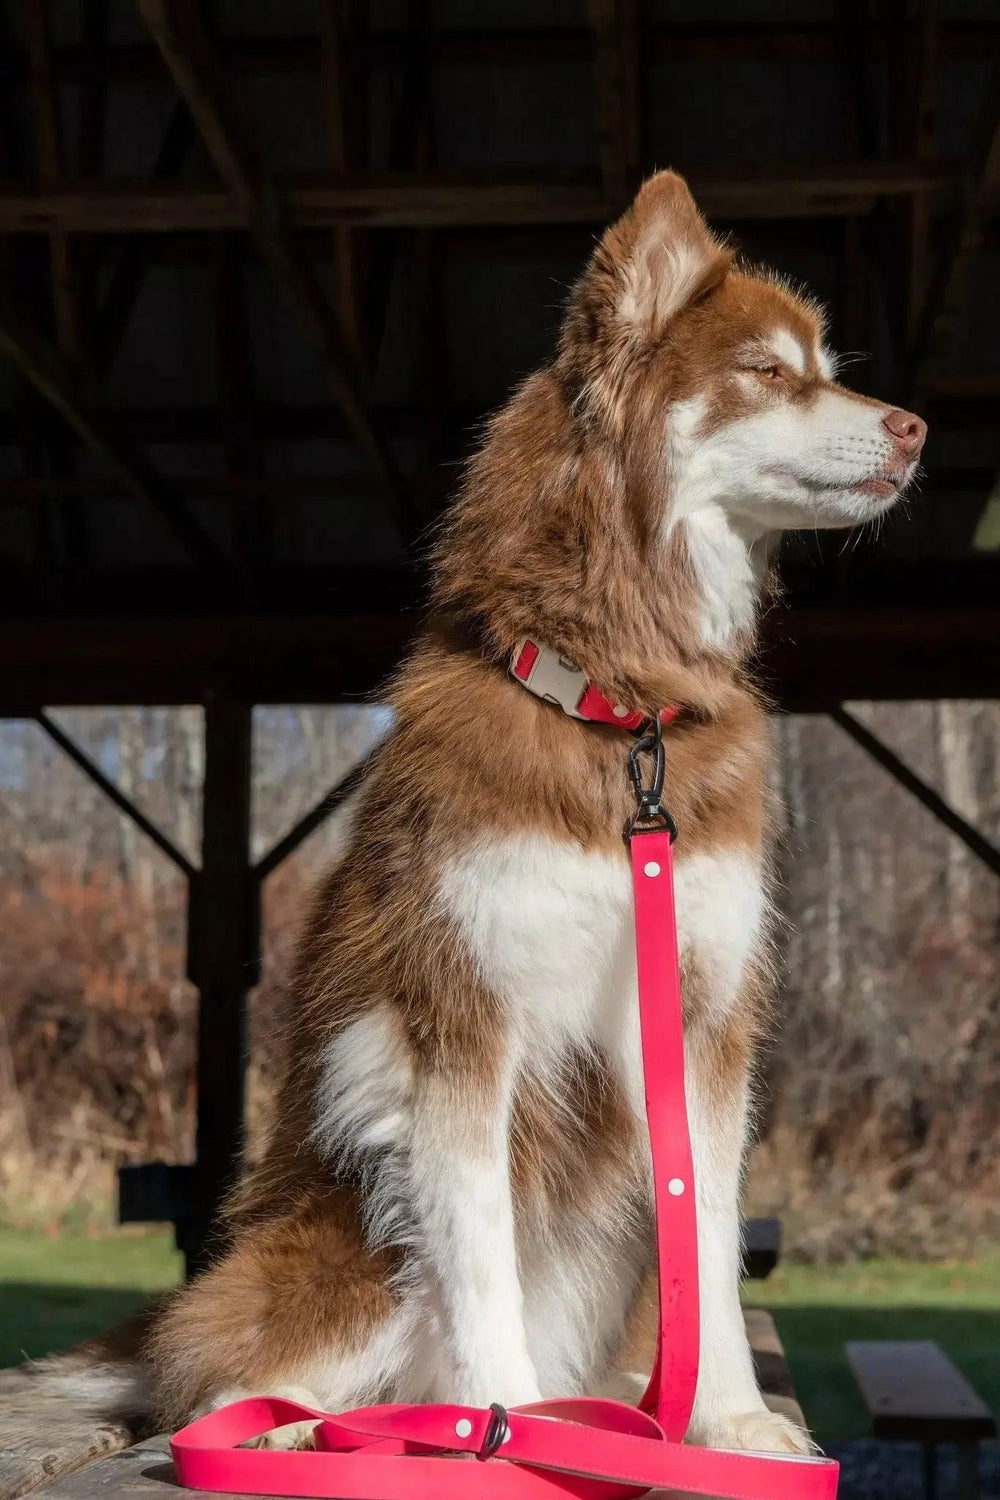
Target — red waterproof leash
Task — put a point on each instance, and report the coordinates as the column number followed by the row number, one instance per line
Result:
column 581, row 1448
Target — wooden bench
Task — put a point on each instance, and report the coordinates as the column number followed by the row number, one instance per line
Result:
column 761, row 1247
column 914, row 1393
column 48, row 1449
column 43, row 1437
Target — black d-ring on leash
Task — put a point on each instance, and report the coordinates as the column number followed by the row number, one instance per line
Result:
column 650, row 811
column 495, row 1432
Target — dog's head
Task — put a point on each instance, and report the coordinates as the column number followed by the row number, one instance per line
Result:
column 717, row 381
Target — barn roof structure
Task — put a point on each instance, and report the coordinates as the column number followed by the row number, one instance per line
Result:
column 264, row 267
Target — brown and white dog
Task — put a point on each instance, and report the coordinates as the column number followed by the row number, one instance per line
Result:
column 455, row 1199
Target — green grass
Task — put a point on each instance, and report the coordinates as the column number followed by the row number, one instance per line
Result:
column 56, row 1290
column 818, row 1309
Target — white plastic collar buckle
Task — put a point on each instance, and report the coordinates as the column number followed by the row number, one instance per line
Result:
column 552, row 677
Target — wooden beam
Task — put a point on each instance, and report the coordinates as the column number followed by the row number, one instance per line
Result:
column 854, row 291
column 42, row 367
column 513, row 46
column 974, row 841
column 814, row 657
column 223, row 961
column 133, row 263
column 325, row 808
column 409, row 144
column 982, row 385
column 128, row 659
column 333, row 74
column 245, row 457
column 232, row 487
column 617, row 78
column 114, row 794
column 92, row 117
column 922, row 96
column 787, row 190
column 184, row 44
column 51, row 170
column 276, row 422
column 61, row 307
column 979, row 202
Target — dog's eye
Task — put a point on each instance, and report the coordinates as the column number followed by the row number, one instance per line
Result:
column 765, row 372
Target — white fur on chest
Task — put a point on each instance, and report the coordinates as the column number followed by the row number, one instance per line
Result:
column 550, row 927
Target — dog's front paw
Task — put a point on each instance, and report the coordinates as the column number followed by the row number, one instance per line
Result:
column 759, row 1431
column 623, row 1386
column 294, row 1435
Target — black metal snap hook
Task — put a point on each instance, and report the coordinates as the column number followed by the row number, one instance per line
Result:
column 650, row 812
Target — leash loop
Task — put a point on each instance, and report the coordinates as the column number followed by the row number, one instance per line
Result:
column 495, row 1432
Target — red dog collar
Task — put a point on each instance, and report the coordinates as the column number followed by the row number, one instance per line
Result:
column 550, row 676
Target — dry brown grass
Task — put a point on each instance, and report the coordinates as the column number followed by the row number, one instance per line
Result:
column 96, row 1053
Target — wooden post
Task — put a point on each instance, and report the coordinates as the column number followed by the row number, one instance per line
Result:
column 223, row 959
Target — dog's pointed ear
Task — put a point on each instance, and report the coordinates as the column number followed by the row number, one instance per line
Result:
column 663, row 254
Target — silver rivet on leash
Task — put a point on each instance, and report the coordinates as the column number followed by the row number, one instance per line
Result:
column 651, row 868
column 463, row 1427
column 620, row 711
column 675, row 1186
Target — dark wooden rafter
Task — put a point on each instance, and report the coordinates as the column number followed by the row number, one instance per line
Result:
column 432, row 375
column 409, row 149
column 923, row 74
column 503, row 46
column 813, row 656
column 873, row 242
column 50, row 166
column 68, row 299
column 785, row 190
column 617, row 78
column 336, row 120
column 90, row 163
column 306, row 825
column 132, row 265
column 114, row 794
column 223, row 961
column 412, row 150
column 974, row 841
column 330, row 803
column 94, row 87
column 979, row 200
column 134, row 261
column 42, row 366
column 854, row 293
column 245, row 456
column 26, row 404
column 236, row 487
column 180, row 35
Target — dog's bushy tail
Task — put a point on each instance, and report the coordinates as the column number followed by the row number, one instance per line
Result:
column 107, row 1377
